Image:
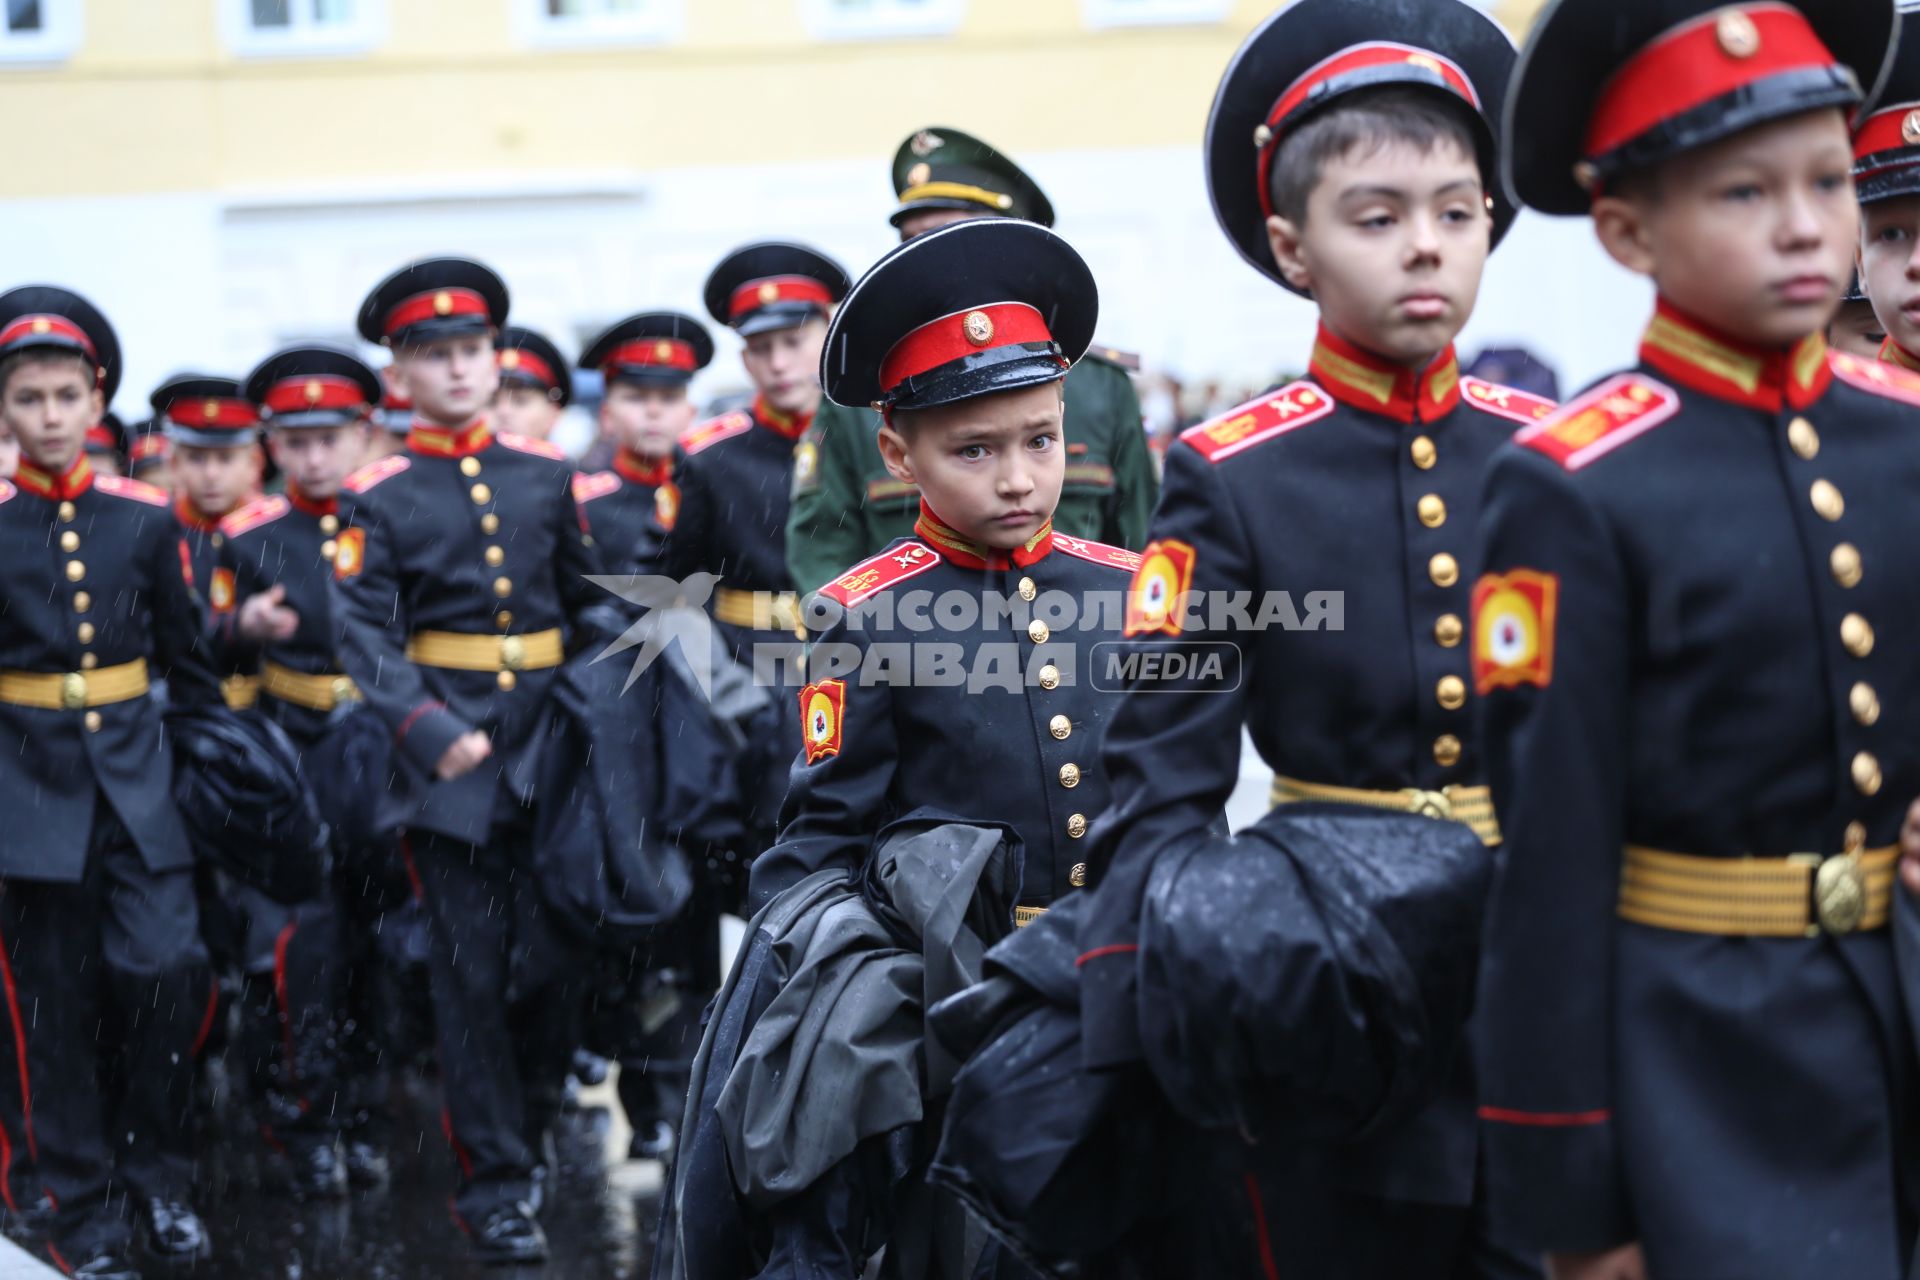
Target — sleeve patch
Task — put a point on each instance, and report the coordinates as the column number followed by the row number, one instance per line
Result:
column 527, row 444
column 220, row 591
column 710, row 433
column 1097, row 552
column 255, row 514
column 822, row 709
column 876, row 574
column 1620, row 409
column 1877, row 377
column 666, row 504
column 597, row 485
column 138, row 490
column 349, row 554
column 1513, row 626
column 1165, row 575
column 375, row 472
column 806, row 465
column 1293, row 406
column 1506, row 402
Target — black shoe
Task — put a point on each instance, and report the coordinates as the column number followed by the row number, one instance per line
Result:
column 544, row 1177
column 367, row 1164
column 652, row 1142
column 173, row 1234
column 104, row 1263
column 314, row 1171
column 510, row 1235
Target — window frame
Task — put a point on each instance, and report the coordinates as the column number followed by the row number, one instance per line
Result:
column 63, row 26
column 302, row 39
column 824, row 20
column 1110, row 15
column 663, row 22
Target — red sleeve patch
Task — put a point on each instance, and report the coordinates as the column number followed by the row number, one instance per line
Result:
column 666, row 504
column 709, row 433
column 1165, row 575
column 1294, row 405
column 349, row 553
column 1505, row 402
column 1620, row 409
column 1097, row 552
column 876, row 574
column 256, row 513
column 375, row 472
column 822, row 708
column 220, row 591
column 138, row 490
column 1513, row 623
column 587, row 487
column 527, row 444
column 1877, row 376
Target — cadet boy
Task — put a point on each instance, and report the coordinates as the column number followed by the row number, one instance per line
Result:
column 1886, row 174
column 535, row 385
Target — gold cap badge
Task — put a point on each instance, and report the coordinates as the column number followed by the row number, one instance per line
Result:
column 510, row 358
column 978, row 326
column 443, row 303
column 1737, row 35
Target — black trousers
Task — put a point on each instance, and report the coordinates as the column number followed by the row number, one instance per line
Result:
column 293, row 968
column 509, row 987
column 118, row 955
column 649, row 1007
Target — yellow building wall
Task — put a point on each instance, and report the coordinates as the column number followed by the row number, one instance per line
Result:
column 155, row 102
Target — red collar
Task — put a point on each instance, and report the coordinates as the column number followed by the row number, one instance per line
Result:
column 446, row 442
column 192, row 517
column 651, row 472
column 44, row 484
column 1711, row 363
column 1362, row 380
column 1892, row 353
column 971, row 555
column 312, row 506
column 790, row 425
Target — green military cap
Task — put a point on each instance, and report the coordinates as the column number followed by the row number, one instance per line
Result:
column 941, row 168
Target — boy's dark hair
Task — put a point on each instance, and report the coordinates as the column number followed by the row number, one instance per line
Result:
column 1371, row 118
column 43, row 355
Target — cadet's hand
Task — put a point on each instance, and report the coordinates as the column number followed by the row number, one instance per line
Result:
column 464, row 756
column 1910, row 850
column 264, row 617
column 1622, row 1263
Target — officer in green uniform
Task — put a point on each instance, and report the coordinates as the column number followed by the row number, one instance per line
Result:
column 845, row 505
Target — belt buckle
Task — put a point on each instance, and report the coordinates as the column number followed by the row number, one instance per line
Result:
column 73, row 691
column 513, row 652
column 1431, row 804
column 342, row 689
column 1840, row 893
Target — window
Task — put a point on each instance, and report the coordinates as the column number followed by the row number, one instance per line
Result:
column 39, row 30
column 303, row 28
column 1140, row 13
column 576, row 23
column 860, row 19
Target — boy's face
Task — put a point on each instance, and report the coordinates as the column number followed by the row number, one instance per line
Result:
column 1890, row 266
column 317, row 459
column 216, row 481
column 1753, row 235
column 921, row 221
column 524, row 411
column 1855, row 329
column 785, row 365
column 47, row 406
column 1392, row 248
column 646, row 420
column 450, row 380
column 990, row 467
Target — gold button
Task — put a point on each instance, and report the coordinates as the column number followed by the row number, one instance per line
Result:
column 506, row 680
column 1069, row 775
column 1803, row 438
column 1866, row 773
column 480, row 494
column 1076, row 825
column 1049, row 677
column 329, row 525
column 1452, row 692
column 1855, row 837
column 1060, row 726
column 1856, row 633
column 1446, row 750
column 327, row 548
column 504, row 618
column 1864, row 703
column 1027, row 590
column 69, row 541
column 75, row 571
column 82, row 602
column 1444, row 570
column 495, row 555
column 1424, row 454
column 86, row 633
column 503, row 587
column 1845, row 562
column 1432, row 511
column 469, row 467
column 67, row 511
column 1826, row 499
column 489, row 523
column 217, row 541
column 1037, row 631
column 1077, row 877
column 1448, row 629
column 92, row 721
column 88, row 661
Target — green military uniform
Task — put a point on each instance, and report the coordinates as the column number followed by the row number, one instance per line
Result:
column 845, row 505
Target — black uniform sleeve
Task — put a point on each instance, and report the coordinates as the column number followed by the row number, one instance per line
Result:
column 231, row 651
column 681, row 549
column 577, row 554
column 181, row 642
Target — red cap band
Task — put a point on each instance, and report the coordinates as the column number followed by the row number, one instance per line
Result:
column 100, row 438
column 320, row 391
column 1700, row 60
column 212, row 414
column 151, row 445
column 436, row 304
column 1894, row 129
column 665, row 353
column 1360, row 57
column 755, row 294
column 522, row 361
column 29, row 327
column 964, row 333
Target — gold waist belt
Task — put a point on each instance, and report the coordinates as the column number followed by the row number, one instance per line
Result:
column 458, row 651
column 321, row 692
column 1472, row 806
column 761, row 610
column 1800, row 895
column 72, row 690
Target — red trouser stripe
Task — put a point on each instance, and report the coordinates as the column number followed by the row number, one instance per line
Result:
column 286, row 1008
column 20, row 1052
column 1267, row 1267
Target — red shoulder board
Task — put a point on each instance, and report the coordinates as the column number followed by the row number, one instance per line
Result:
column 374, row 472
column 255, row 514
column 138, row 490
column 876, row 574
column 1505, row 402
column 527, row 444
column 1877, row 376
column 587, row 487
column 1097, row 552
column 1294, row 405
column 1618, row 410
column 722, row 428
